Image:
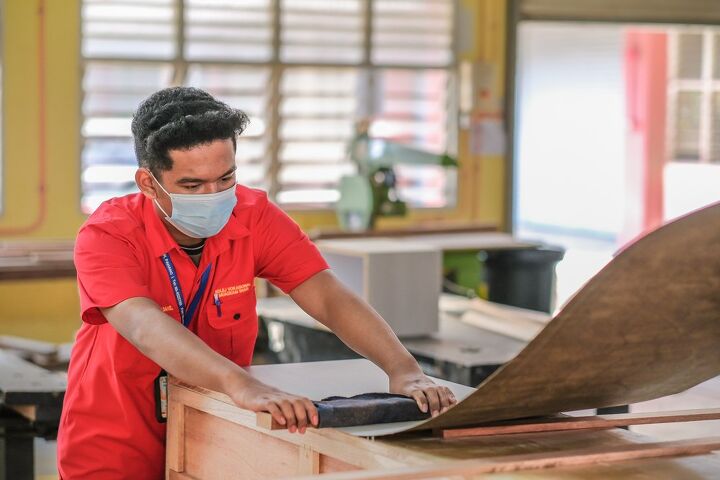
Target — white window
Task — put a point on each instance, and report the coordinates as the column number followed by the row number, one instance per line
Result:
column 303, row 70
column 694, row 88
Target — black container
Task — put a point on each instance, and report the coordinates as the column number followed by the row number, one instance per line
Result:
column 523, row 278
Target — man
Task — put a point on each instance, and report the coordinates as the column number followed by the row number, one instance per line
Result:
column 166, row 281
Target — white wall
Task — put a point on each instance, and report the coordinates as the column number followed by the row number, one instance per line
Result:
column 570, row 132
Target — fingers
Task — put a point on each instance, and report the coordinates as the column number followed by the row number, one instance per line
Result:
column 312, row 412
column 300, row 414
column 444, row 395
column 451, row 396
column 276, row 413
column 289, row 413
column 421, row 400
column 295, row 412
column 433, row 400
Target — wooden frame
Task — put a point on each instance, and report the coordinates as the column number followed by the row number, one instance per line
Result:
column 209, row 437
column 583, row 423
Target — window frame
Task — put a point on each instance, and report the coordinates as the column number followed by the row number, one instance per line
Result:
column 366, row 68
column 707, row 86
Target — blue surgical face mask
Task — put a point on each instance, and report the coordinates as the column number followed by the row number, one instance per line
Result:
column 199, row 215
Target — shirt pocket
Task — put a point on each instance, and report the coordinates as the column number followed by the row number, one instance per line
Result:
column 232, row 310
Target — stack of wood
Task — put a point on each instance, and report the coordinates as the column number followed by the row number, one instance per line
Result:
column 48, row 355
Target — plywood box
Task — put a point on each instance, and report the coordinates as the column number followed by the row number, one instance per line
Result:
column 209, row 438
column 400, row 279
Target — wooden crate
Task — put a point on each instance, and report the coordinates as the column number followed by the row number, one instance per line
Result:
column 210, row 438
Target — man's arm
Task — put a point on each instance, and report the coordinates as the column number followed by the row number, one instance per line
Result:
column 327, row 300
column 181, row 353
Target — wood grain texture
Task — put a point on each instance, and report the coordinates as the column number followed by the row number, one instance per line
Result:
column 211, row 444
column 220, row 440
column 571, row 458
column 584, row 423
column 647, row 325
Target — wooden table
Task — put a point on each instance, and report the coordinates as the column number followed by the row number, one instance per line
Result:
column 209, row 437
column 458, row 352
column 30, row 405
column 36, row 260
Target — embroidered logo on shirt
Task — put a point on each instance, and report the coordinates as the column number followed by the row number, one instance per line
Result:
column 234, row 290
column 167, row 308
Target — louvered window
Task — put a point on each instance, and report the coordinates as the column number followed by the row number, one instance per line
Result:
column 695, row 95
column 304, row 70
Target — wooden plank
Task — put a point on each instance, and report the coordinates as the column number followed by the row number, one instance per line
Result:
column 27, row 345
column 348, row 449
column 232, row 428
column 513, row 463
column 331, row 465
column 210, row 442
column 583, row 423
column 22, row 383
column 309, row 461
column 644, row 327
column 517, row 328
column 175, row 447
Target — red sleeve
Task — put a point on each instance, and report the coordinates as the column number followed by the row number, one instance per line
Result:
column 284, row 255
column 108, row 272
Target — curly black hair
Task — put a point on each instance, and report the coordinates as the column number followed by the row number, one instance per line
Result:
column 181, row 118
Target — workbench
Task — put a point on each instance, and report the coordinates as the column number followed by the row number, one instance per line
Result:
column 458, row 352
column 30, row 405
column 460, row 244
column 29, row 260
column 209, row 438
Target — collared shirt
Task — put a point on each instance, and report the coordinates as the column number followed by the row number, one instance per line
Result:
column 108, row 427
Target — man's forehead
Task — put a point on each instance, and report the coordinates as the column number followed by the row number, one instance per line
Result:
column 202, row 160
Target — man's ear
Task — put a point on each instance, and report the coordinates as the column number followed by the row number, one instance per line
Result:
column 144, row 181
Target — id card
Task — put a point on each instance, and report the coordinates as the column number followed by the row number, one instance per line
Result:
column 161, row 397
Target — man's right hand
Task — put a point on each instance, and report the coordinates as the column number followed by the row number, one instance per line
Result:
column 296, row 412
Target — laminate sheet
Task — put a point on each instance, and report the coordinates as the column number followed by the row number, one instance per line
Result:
column 647, row 325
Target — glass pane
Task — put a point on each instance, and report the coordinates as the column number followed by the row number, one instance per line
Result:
column 690, row 46
column 412, row 33
column 411, row 109
column 118, row 29
column 317, row 115
column 111, row 93
column 244, row 88
column 322, row 32
column 315, row 197
column 426, row 186
column 687, row 126
column 239, row 31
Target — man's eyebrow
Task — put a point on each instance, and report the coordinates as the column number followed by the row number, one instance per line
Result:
column 185, row 180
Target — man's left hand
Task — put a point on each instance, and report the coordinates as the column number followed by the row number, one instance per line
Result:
column 426, row 393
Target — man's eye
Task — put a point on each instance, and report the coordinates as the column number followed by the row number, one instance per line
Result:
column 192, row 187
column 227, row 179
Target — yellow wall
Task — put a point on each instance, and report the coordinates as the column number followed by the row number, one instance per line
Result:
column 48, row 309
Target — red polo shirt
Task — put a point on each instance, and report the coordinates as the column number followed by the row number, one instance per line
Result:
column 108, row 428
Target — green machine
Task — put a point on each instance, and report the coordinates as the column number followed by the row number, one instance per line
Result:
column 371, row 192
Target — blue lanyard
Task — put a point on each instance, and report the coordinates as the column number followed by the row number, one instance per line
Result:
column 185, row 317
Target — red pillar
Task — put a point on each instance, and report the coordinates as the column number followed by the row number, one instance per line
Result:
column 646, row 93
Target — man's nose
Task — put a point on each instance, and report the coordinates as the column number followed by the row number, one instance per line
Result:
column 212, row 187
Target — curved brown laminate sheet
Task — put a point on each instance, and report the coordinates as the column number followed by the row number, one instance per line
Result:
column 646, row 326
